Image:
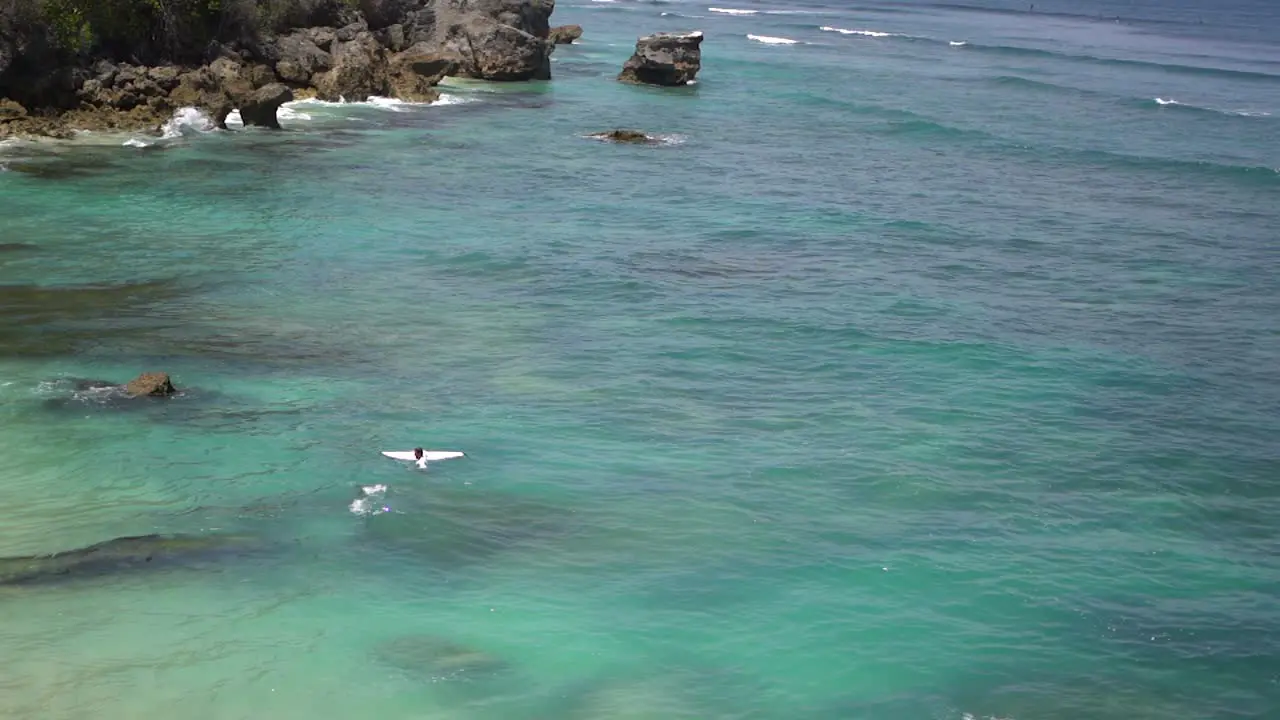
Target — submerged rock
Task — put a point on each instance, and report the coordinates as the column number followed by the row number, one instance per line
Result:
column 150, row 384
column 667, row 59
column 435, row 657
column 564, row 34
column 620, row 135
column 118, row 555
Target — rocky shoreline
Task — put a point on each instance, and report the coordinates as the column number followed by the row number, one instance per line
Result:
column 390, row 48
column 401, row 51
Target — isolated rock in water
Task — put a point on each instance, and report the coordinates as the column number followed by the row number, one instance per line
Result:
column 359, row 70
column 565, row 34
column 154, row 384
column 624, row 136
column 261, row 106
column 664, row 59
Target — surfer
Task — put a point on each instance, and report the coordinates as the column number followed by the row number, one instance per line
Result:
column 420, row 457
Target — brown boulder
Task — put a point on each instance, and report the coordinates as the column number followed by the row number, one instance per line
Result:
column 153, row 384
column 166, row 77
column 301, row 58
column 201, row 89
column 414, row 73
column 490, row 51
column 496, row 39
column 359, row 70
column 10, row 110
column 564, row 35
column 261, row 106
column 664, row 59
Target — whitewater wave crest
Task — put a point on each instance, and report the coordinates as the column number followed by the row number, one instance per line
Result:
column 864, row 33
column 770, row 40
column 1170, row 102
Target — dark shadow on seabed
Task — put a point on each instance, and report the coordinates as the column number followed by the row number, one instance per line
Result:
column 123, row 555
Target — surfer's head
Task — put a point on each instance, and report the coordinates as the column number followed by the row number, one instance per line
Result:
column 417, row 453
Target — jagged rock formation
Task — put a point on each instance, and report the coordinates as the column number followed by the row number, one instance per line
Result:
column 564, row 34
column 664, row 59
column 326, row 48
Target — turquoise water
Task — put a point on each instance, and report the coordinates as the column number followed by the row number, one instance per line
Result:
column 907, row 379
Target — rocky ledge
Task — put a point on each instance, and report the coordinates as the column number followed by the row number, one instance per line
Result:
column 392, row 48
column 664, row 59
column 565, row 34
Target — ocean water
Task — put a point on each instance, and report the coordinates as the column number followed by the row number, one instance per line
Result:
column 928, row 369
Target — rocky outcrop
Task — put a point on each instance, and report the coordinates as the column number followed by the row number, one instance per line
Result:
column 398, row 48
column 359, row 70
column 261, row 106
column 413, row 74
column 301, row 58
column 634, row 137
column 564, row 34
column 500, row 40
column 664, row 59
column 151, row 384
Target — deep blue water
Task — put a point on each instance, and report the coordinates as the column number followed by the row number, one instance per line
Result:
column 930, row 368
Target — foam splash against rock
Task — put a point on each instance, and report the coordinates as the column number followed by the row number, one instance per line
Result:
column 187, row 121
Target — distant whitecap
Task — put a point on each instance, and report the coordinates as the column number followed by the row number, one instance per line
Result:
column 770, row 40
column 865, row 33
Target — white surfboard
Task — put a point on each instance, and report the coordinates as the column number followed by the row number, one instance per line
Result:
column 430, row 455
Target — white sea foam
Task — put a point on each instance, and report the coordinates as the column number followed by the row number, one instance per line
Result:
column 958, row 43
column 286, row 113
column 865, row 33
column 770, row 40
column 1166, row 102
column 453, row 100
column 370, row 502
column 185, row 121
column 374, row 101
column 733, row 11
column 135, row 143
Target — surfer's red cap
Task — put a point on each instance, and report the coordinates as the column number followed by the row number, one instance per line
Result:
column 417, row 453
